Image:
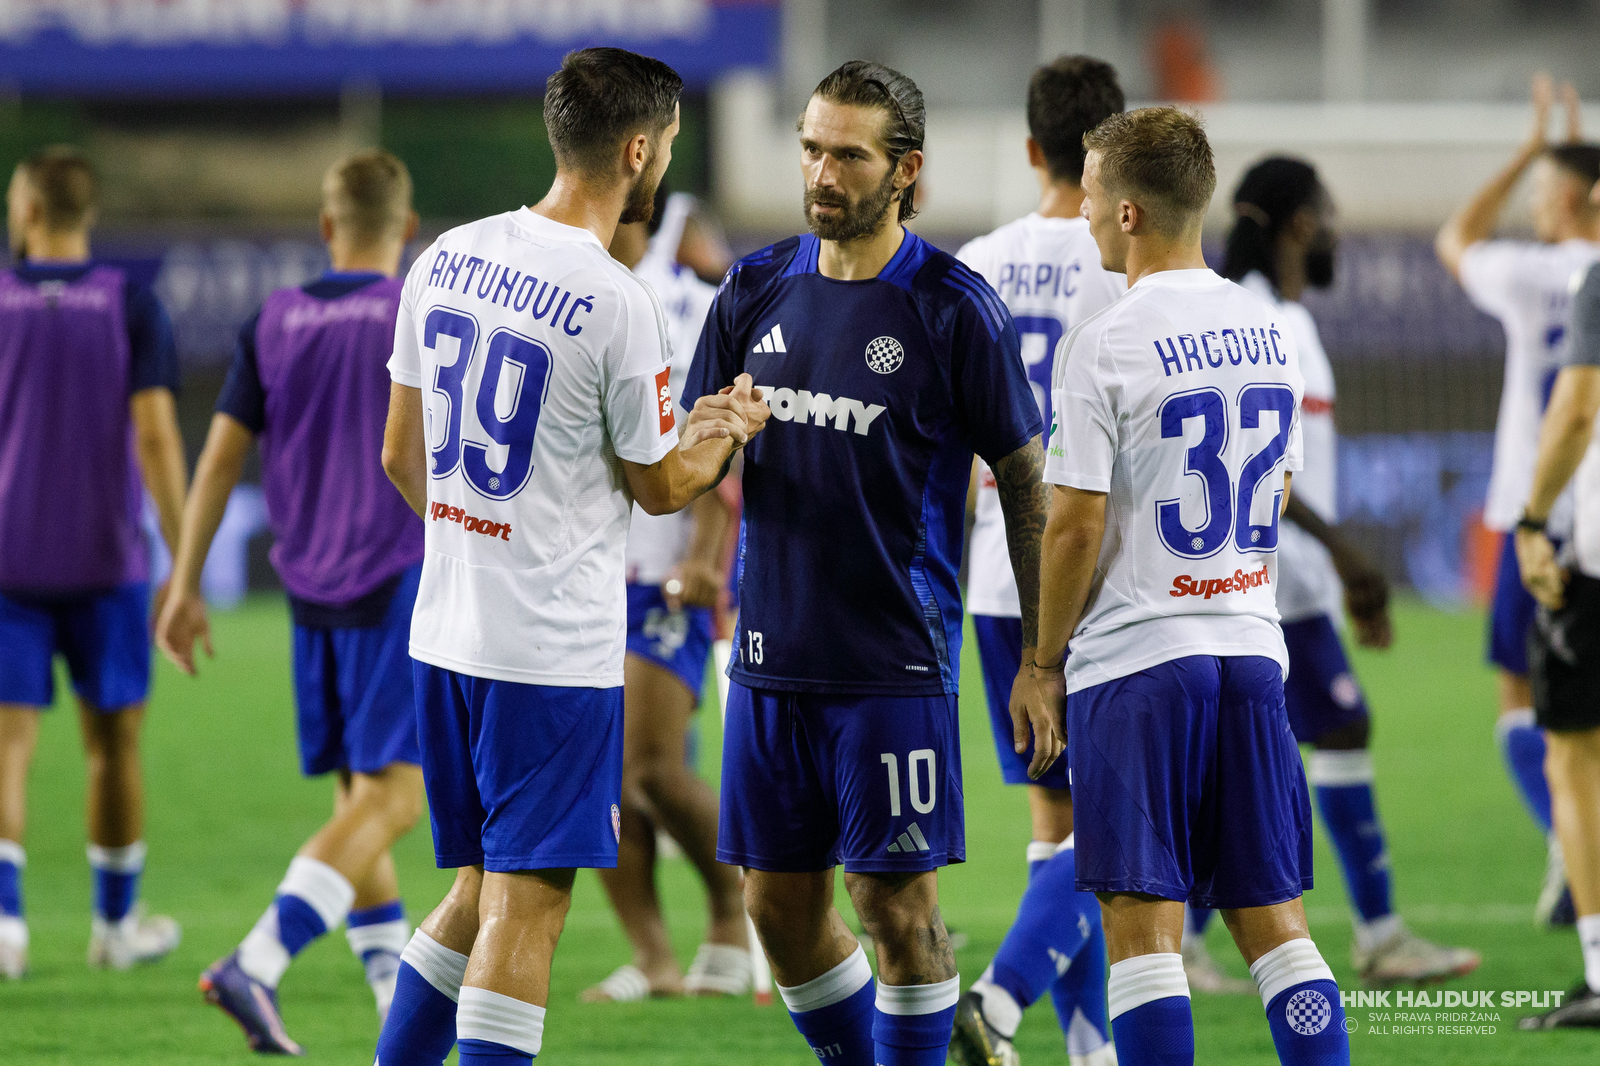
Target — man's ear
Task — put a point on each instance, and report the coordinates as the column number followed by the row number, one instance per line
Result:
column 909, row 168
column 325, row 225
column 413, row 224
column 1130, row 215
column 1303, row 224
column 1035, row 155
column 636, row 155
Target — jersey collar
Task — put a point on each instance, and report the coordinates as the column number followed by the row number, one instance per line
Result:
column 1196, row 278
column 550, row 229
column 899, row 270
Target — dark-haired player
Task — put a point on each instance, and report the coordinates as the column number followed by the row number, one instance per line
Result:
column 887, row 364
column 1524, row 284
column 87, row 376
column 1176, row 428
column 309, row 382
column 543, row 365
column 1046, row 269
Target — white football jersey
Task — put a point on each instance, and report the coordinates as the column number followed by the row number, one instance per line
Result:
column 542, row 362
column 1526, row 286
column 1048, row 273
column 1308, row 584
column 657, row 543
column 1180, row 401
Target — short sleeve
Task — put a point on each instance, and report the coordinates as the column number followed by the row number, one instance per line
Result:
column 151, row 343
column 1083, row 441
column 1491, row 272
column 242, row 397
column 717, row 360
column 993, row 397
column 405, row 365
column 636, row 380
column 1294, row 459
column 1585, row 347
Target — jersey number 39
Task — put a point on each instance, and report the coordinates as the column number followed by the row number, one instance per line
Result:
column 1227, row 507
column 510, row 392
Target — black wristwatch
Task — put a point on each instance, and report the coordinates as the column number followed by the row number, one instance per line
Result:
column 1531, row 525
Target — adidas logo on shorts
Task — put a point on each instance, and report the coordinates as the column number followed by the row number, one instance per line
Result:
column 911, row 840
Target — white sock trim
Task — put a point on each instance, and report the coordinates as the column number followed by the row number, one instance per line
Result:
column 128, row 859
column 1517, row 719
column 1291, row 963
column 322, row 887
column 1067, row 844
column 1000, row 1008
column 835, row 986
column 1589, row 940
column 381, row 936
column 905, row 1000
column 13, row 853
column 1145, row 979
column 1340, row 767
column 1039, row 851
column 13, row 931
column 436, row 964
column 485, row 1015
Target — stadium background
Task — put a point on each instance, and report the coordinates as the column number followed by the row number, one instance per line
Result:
column 212, row 121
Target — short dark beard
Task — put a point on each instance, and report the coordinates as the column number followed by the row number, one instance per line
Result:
column 857, row 220
column 641, row 203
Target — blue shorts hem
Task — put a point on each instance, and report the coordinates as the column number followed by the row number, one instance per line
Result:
column 1264, row 898
column 922, row 864
column 354, row 766
column 1161, row 889
column 576, row 861
column 456, row 860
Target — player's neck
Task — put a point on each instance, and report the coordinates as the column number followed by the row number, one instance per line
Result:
column 860, row 259
column 368, row 259
column 1291, row 270
column 1573, row 228
column 48, row 246
column 1152, row 255
column 573, row 202
column 1060, row 199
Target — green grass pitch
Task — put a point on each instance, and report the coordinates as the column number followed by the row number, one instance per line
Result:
column 227, row 808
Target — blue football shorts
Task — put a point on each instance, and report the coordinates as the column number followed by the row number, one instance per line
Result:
column 1187, row 785
column 519, row 777
column 104, row 636
column 353, row 691
column 1321, row 693
column 1510, row 613
column 678, row 641
column 810, row 780
column 1000, row 653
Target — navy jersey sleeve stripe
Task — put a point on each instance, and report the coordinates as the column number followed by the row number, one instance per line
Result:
column 242, row 397
column 978, row 289
column 154, row 352
column 984, row 313
column 985, row 292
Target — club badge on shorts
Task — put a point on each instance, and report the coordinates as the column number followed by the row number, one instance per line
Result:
column 616, row 823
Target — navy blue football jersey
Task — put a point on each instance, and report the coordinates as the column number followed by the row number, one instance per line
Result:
column 855, row 494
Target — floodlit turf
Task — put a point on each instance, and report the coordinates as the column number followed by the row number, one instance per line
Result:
column 228, row 808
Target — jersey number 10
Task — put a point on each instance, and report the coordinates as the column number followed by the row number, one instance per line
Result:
column 517, row 362
column 1227, row 508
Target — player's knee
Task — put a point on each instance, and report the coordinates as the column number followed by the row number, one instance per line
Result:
column 1352, row 736
column 892, row 907
column 393, row 796
column 1572, row 756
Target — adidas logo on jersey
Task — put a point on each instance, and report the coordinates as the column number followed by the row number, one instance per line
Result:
column 911, row 840
column 818, row 408
column 772, row 342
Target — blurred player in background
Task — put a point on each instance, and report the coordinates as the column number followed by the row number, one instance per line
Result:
column 675, row 577
column 549, row 412
column 1565, row 652
column 1524, row 284
column 309, row 380
column 887, row 364
column 1283, row 242
column 88, row 371
column 1176, row 426
column 1046, row 269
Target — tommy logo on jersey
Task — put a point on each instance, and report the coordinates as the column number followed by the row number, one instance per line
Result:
column 818, row 408
column 664, row 399
column 772, row 342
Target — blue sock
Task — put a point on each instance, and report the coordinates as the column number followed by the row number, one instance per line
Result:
column 488, row 1053
column 1522, row 747
column 116, row 873
column 834, row 1012
column 911, row 1023
column 1079, row 996
column 1343, row 783
column 377, row 936
column 312, row 898
column 12, row 861
column 1053, row 923
column 1149, row 1002
column 421, row 1027
column 1303, row 1008
column 1039, row 853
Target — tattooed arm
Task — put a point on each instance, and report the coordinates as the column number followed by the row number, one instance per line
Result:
column 1025, row 502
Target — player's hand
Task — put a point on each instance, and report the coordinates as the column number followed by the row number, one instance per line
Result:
column 752, row 404
column 1574, row 109
column 1366, row 598
column 1543, row 94
column 713, row 418
column 1037, row 699
column 692, row 583
column 183, row 620
column 1542, row 576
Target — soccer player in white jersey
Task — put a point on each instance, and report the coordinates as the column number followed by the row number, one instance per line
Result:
column 1046, row 269
column 1523, row 284
column 676, row 574
column 1175, row 429
column 1283, row 242
column 542, row 365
